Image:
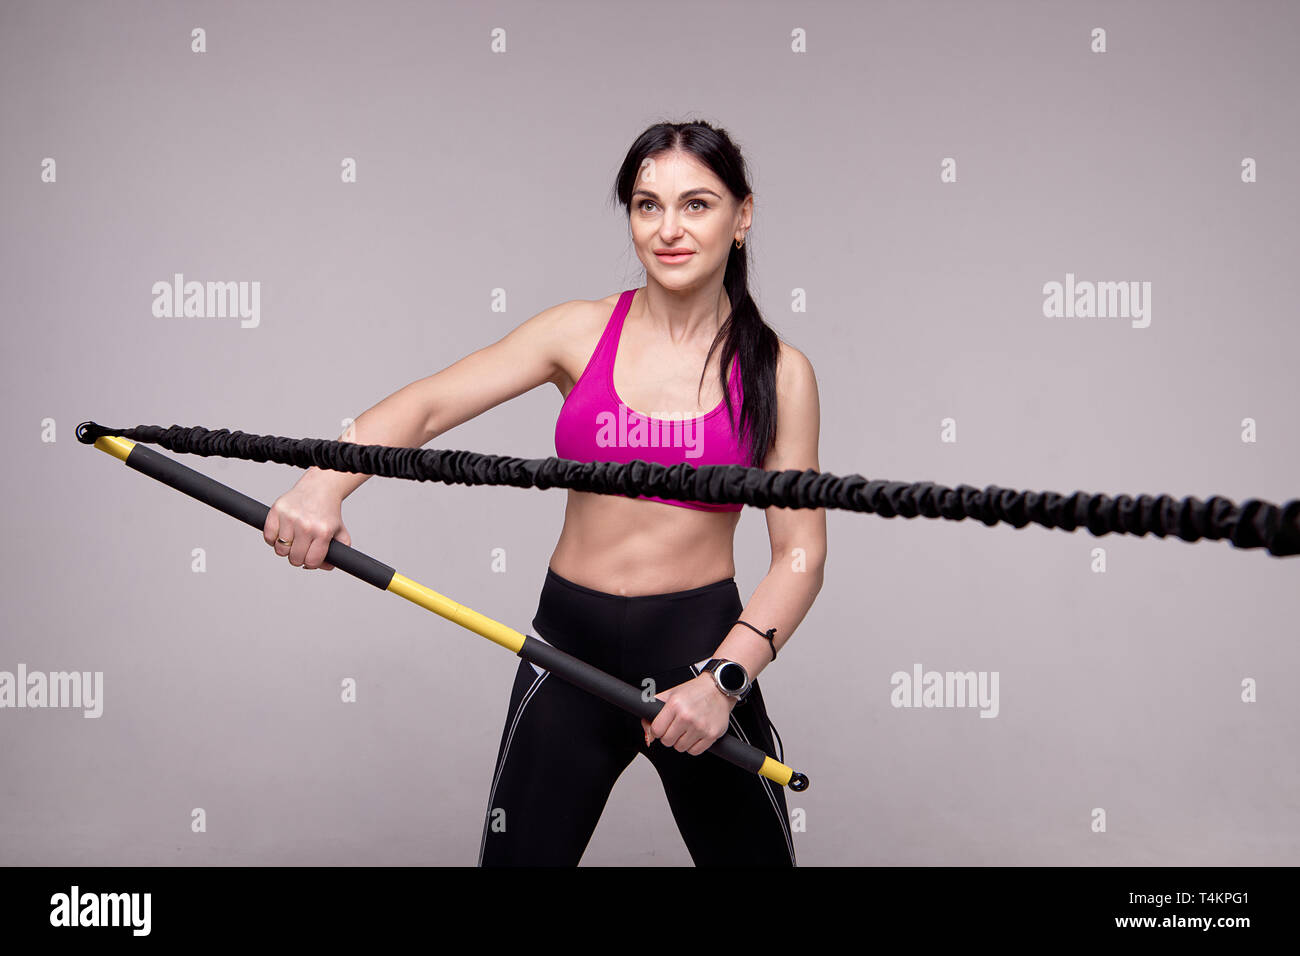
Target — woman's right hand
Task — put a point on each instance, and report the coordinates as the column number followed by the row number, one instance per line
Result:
column 308, row 516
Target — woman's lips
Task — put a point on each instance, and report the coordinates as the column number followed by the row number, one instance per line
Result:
column 677, row 257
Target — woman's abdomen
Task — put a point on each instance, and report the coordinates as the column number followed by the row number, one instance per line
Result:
column 629, row 547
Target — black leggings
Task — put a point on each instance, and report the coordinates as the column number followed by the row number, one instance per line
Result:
column 562, row 748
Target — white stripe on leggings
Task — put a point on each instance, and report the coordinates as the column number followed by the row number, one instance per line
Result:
column 528, row 695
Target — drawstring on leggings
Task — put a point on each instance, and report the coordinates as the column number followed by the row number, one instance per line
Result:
column 780, row 751
column 780, row 748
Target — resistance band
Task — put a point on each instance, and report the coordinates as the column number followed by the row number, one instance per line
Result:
column 577, row 672
column 1253, row 524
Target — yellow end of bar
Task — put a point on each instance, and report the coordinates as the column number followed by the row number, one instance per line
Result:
column 484, row 626
column 115, row 445
column 775, row 770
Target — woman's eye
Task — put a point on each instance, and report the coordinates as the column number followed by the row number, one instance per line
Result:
column 644, row 202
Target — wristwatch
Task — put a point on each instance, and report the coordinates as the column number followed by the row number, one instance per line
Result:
column 732, row 678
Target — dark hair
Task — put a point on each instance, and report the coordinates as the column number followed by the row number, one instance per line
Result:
column 744, row 333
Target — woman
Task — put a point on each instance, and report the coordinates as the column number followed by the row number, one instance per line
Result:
column 642, row 588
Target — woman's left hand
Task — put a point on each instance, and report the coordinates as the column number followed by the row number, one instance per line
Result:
column 695, row 714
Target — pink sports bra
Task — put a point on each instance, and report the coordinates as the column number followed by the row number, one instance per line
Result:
column 595, row 425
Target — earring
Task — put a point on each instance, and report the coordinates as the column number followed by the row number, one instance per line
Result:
column 739, row 243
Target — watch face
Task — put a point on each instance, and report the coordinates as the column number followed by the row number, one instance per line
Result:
column 731, row 676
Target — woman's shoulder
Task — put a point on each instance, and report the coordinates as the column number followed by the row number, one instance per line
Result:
column 582, row 321
column 795, row 378
column 575, row 317
column 577, row 313
column 793, row 366
column 574, row 327
column 602, row 310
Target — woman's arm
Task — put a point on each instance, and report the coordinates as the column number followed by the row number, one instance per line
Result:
column 797, row 535
column 696, row 712
column 417, row 413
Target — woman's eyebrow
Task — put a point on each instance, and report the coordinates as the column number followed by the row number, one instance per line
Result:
column 690, row 192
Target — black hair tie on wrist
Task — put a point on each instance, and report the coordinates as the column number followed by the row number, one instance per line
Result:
column 770, row 635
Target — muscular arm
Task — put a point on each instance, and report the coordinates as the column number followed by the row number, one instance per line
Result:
column 797, row 535
column 417, row 413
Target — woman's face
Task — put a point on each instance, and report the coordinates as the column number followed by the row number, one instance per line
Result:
column 680, row 206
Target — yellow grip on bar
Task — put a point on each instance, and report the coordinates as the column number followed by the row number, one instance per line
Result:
column 443, row 606
column 775, row 771
column 115, row 446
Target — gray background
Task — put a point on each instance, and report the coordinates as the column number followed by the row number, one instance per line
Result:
column 480, row 171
